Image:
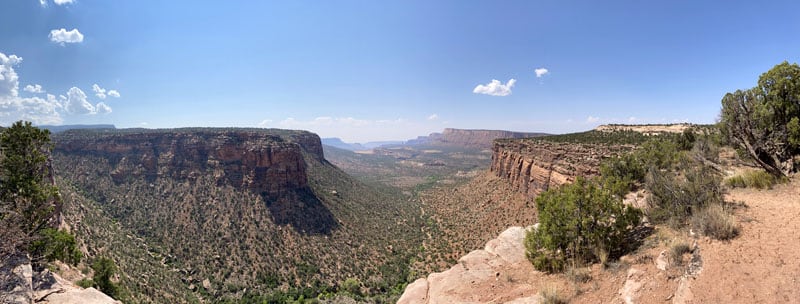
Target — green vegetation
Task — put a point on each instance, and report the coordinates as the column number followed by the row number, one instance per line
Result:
column 56, row 245
column 579, row 223
column 758, row 179
column 586, row 222
column 764, row 121
column 29, row 199
column 104, row 269
column 676, row 196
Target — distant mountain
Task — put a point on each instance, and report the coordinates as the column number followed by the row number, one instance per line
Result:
column 338, row 143
column 470, row 138
column 62, row 128
column 378, row 144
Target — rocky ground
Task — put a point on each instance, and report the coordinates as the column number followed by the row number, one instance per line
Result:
column 761, row 265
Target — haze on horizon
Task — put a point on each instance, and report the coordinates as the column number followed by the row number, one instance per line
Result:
column 370, row 71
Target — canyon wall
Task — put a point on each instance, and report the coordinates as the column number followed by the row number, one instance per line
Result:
column 533, row 166
column 263, row 161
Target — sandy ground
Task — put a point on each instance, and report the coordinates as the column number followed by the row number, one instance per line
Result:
column 761, row 265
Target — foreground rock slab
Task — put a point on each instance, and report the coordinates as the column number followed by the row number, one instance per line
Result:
column 499, row 273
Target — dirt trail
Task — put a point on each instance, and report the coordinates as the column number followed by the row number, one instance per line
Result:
column 762, row 265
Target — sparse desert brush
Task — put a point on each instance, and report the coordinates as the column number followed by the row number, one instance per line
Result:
column 758, row 179
column 716, row 222
column 676, row 252
column 549, row 295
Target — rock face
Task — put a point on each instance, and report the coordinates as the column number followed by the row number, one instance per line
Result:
column 19, row 284
column 496, row 274
column 268, row 162
column 262, row 161
column 533, row 166
column 471, row 138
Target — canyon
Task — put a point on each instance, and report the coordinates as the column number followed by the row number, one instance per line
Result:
column 533, row 166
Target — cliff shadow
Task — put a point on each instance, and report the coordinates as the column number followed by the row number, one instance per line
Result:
column 301, row 209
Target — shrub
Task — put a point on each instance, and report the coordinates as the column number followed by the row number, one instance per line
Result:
column 714, row 221
column 104, row 269
column 85, row 283
column 56, row 245
column 352, row 286
column 675, row 197
column 576, row 221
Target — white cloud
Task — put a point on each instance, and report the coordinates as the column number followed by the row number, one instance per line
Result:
column 103, row 93
column 43, row 3
column 102, row 108
column 433, row 117
column 592, row 119
column 265, row 123
column 78, row 102
column 98, row 91
column 34, row 88
column 540, row 72
column 62, row 36
column 495, row 88
column 62, row 2
column 13, row 107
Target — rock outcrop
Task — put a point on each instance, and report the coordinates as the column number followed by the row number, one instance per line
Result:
column 647, row 129
column 263, row 161
column 19, row 284
column 499, row 273
column 533, row 166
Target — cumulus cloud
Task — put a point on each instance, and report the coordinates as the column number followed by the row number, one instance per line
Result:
column 98, row 91
column 78, row 102
column 62, row 2
column 495, row 88
column 34, row 88
column 540, row 72
column 13, row 107
column 48, row 110
column 103, row 93
column 433, row 117
column 43, row 3
column 102, row 108
column 62, row 36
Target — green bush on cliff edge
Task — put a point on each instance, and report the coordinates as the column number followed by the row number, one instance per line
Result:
column 579, row 223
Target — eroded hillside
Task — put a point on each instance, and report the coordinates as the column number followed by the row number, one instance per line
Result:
column 229, row 211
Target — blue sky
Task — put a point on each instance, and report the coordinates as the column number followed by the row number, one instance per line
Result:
column 383, row 70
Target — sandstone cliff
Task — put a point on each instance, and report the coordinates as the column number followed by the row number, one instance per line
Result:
column 533, row 166
column 263, row 161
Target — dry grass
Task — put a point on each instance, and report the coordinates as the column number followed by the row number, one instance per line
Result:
column 677, row 251
column 758, row 179
column 716, row 222
column 550, row 295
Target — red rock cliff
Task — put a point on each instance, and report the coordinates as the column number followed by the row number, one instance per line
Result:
column 263, row 161
column 533, row 166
